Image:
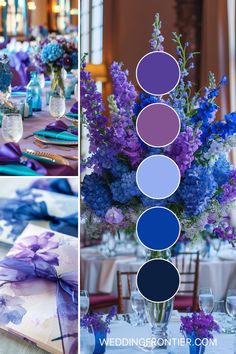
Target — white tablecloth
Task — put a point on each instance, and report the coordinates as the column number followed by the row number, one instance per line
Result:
column 124, row 331
column 214, row 273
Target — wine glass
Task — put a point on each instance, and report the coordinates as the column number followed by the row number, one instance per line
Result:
column 57, row 106
column 138, row 306
column 231, row 305
column 84, row 303
column 12, row 127
column 206, row 300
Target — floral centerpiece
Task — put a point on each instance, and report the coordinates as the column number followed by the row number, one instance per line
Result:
column 198, row 329
column 55, row 55
column 5, row 77
column 208, row 179
column 98, row 323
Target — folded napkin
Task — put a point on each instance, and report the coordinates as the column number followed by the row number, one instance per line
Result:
column 11, row 159
column 15, row 89
column 73, row 111
column 59, row 130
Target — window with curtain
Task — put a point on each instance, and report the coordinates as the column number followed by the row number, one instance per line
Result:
column 63, row 18
column 15, row 19
column 92, row 43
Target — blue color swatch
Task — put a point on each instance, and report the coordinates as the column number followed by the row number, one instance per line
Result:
column 158, row 177
column 158, row 228
column 158, row 280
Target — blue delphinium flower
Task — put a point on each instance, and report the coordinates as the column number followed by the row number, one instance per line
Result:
column 125, row 189
column 221, row 170
column 197, row 189
column 97, row 194
column 11, row 310
column 144, row 100
column 51, row 52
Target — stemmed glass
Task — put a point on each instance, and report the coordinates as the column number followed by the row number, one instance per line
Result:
column 206, row 300
column 84, row 303
column 138, row 306
column 231, row 306
column 41, row 80
column 12, row 127
column 57, row 106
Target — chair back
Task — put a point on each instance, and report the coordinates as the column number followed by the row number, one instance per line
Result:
column 188, row 265
column 125, row 283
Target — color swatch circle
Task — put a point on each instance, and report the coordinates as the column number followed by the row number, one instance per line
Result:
column 158, row 177
column 158, row 280
column 158, row 228
column 158, row 73
column 158, row 125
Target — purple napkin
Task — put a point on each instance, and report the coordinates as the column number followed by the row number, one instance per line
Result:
column 74, row 108
column 60, row 126
column 10, row 153
column 18, row 89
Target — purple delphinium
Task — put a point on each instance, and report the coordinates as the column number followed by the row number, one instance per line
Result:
column 114, row 216
column 11, row 310
column 184, row 147
column 36, row 248
column 157, row 39
column 228, row 189
column 225, row 231
column 97, row 321
column 199, row 325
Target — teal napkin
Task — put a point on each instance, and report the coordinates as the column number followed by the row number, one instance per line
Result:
column 72, row 115
column 57, row 135
column 17, row 170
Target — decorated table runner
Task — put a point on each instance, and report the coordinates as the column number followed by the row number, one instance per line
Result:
column 38, row 122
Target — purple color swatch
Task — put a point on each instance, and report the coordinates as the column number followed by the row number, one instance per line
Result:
column 158, row 177
column 158, row 73
column 158, row 125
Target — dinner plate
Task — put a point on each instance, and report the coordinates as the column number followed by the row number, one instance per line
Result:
column 73, row 120
column 55, row 141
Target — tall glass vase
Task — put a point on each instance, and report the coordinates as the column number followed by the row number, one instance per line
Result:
column 159, row 314
column 57, row 81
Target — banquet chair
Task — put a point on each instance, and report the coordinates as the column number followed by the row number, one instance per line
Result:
column 122, row 279
column 188, row 265
column 102, row 301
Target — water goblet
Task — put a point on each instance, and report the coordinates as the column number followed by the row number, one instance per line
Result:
column 206, row 300
column 57, row 106
column 138, row 306
column 84, row 303
column 231, row 306
column 41, row 80
column 12, row 127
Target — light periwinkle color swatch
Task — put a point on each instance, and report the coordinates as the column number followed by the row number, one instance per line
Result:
column 158, row 177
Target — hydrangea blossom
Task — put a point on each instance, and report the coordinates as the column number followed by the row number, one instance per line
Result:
column 51, row 52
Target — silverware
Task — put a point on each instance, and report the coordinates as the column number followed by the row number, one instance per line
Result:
column 28, row 136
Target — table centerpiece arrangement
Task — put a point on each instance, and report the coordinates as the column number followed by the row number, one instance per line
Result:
column 207, row 191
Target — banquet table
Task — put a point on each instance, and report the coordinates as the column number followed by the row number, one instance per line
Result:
column 98, row 272
column 39, row 121
column 121, row 330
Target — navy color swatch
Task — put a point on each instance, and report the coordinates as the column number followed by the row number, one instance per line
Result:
column 158, row 280
column 158, row 228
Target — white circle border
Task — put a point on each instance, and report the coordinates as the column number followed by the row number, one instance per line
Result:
column 157, row 94
column 163, row 157
column 153, row 249
column 161, row 259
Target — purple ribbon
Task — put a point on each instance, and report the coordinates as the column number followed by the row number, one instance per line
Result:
column 74, row 108
column 15, row 270
column 60, row 126
column 10, row 153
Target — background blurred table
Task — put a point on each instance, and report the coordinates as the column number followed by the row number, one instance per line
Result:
column 98, row 272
